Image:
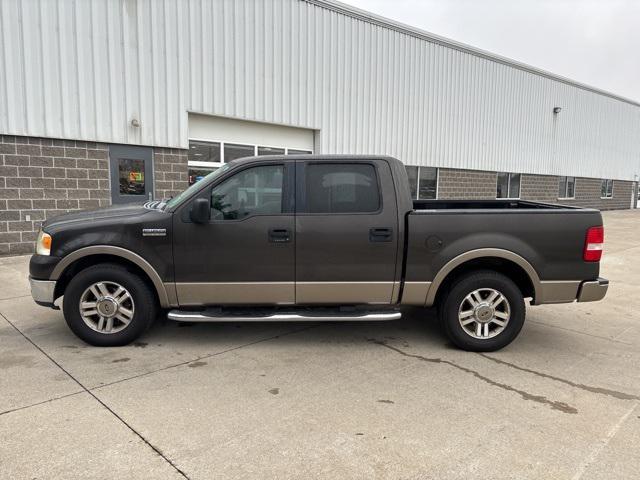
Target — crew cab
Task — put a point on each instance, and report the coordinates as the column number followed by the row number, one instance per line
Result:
column 315, row 238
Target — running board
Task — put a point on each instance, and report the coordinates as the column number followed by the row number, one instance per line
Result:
column 333, row 316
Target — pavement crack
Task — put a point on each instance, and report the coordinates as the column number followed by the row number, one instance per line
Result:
column 204, row 357
column 555, row 405
column 17, row 409
column 581, row 386
column 615, row 340
column 14, row 298
column 602, row 444
column 109, row 409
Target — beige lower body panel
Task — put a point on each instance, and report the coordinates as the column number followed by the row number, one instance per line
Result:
column 558, row 291
column 415, row 293
column 333, row 293
column 236, row 293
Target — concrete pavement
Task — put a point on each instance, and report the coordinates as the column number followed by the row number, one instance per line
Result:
column 360, row 400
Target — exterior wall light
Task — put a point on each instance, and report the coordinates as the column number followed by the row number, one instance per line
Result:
column 136, row 123
column 557, row 110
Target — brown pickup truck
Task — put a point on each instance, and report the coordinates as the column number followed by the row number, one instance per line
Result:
column 315, row 238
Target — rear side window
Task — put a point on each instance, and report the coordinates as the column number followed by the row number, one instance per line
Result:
column 342, row 188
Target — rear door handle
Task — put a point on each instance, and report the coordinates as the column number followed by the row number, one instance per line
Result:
column 380, row 234
column 279, row 235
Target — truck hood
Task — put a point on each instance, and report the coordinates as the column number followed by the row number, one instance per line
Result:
column 90, row 216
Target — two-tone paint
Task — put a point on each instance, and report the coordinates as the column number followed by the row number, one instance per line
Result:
column 326, row 259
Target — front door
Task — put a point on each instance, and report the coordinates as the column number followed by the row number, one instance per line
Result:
column 346, row 232
column 245, row 254
column 131, row 173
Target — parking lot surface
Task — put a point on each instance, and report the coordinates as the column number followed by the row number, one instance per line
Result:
column 345, row 400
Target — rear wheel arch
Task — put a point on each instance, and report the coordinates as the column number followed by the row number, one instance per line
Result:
column 508, row 263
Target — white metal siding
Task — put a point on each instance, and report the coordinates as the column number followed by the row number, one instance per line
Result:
column 84, row 69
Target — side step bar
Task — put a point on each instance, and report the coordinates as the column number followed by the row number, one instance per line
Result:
column 333, row 316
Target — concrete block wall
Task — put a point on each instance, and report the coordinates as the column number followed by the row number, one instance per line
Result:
column 539, row 188
column 470, row 184
column 171, row 174
column 588, row 191
column 466, row 184
column 42, row 178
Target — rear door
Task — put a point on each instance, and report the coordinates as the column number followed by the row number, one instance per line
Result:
column 346, row 232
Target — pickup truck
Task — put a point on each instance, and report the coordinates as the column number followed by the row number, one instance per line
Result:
column 315, row 238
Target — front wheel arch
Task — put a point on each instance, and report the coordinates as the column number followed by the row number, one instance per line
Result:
column 70, row 271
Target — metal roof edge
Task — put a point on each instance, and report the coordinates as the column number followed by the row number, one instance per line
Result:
column 369, row 17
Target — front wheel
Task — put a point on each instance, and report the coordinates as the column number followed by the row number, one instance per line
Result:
column 484, row 311
column 106, row 305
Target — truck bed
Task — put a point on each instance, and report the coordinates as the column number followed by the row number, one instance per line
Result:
column 551, row 237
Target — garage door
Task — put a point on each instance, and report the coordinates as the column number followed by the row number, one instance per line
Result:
column 214, row 141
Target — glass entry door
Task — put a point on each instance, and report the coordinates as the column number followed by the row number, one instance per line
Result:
column 131, row 174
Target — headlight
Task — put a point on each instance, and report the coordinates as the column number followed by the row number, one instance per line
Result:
column 43, row 243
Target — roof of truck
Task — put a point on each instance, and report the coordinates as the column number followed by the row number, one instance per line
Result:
column 335, row 157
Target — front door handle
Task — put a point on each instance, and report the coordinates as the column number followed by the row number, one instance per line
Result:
column 380, row 234
column 279, row 235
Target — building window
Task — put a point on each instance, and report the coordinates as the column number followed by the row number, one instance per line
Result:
column 270, row 151
column 204, row 151
column 606, row 188
column 412, row 175
column 508, row 185
column 206, row 157
column 567, row 187
column 236, row 150
column 423, row 182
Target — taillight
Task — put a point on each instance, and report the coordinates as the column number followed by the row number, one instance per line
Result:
column 593, row 244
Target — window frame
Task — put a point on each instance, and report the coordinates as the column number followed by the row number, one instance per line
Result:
column 509, row 197
column 198, row 164
column 301, row 206
column 566, row 187
column 606, row 182
column 288, row 192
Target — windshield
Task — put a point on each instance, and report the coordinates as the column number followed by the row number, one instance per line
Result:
column 187, row 193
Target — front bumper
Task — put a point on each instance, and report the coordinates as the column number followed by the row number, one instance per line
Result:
column 43, row 291
column 593, row 291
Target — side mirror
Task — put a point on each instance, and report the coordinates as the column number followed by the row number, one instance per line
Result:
column 200, row 211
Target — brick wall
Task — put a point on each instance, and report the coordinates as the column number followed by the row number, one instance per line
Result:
column 588, row 191
column 466, row 184
column 469, row 184
column 170, row 171
column 539, row 188
column 42, row 178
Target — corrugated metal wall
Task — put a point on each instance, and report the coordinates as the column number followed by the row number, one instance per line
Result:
column 85, row 69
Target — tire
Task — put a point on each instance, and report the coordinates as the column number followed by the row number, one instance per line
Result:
column 472, row 301
column 126, row 300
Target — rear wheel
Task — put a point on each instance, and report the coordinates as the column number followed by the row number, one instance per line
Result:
column 483, row 311
column 107, row 305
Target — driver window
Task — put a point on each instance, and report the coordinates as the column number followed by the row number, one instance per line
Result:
column 254, row 191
